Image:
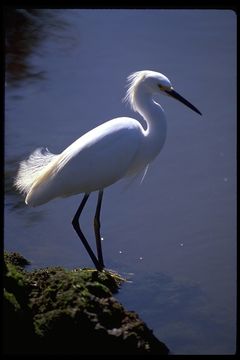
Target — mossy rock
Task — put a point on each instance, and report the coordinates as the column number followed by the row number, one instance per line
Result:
column 16, row 259
column 18, row 324
column 59, row 311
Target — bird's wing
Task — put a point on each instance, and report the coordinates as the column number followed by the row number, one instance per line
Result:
column 94, row 161
column 102, row 156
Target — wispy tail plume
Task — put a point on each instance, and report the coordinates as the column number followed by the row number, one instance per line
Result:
column 31, row 168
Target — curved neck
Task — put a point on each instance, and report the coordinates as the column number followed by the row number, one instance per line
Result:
column 153, row 114
column 151, row 111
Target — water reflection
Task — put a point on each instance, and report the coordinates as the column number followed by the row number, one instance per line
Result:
column 23, row 34
column 25, row 30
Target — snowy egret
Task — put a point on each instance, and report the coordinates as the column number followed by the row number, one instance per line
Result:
column 115, row 149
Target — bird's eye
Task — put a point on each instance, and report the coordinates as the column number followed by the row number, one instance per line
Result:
column 160, row 86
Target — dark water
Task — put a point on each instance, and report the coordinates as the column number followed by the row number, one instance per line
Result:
column 175, row 234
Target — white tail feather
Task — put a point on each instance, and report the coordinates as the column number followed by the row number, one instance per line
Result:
column 31, row 168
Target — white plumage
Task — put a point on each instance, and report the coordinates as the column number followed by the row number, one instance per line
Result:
column 95, row 160
column 117, row 148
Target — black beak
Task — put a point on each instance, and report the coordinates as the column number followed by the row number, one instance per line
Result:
column 175, row 95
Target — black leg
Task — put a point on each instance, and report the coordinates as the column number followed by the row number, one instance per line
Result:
column 97, row 226
column 75, row 223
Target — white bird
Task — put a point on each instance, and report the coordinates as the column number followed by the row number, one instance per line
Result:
column 113, row 150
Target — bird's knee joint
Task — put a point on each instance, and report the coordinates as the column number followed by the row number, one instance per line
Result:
column 75, row 223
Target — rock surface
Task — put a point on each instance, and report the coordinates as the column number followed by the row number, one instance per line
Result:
column 59, row 311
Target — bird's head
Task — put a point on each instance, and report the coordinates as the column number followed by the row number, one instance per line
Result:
column 154, row 82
